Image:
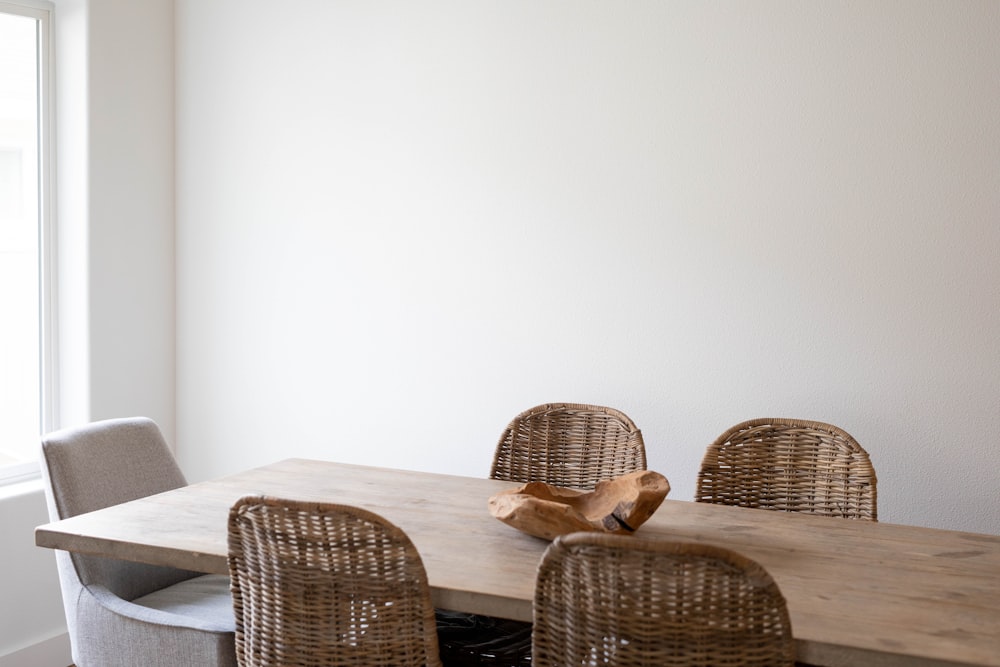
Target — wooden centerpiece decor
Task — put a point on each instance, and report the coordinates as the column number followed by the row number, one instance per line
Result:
column 618, row 505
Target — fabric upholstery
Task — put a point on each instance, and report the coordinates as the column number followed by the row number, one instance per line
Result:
column 205, row 598
column 121, row 613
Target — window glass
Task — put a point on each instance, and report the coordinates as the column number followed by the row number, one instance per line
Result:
column 21, row 234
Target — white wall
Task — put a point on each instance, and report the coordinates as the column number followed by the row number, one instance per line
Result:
column 115, row 209
column 31, row 612
column 399, row 223
column 114, row 200
column 131, row 210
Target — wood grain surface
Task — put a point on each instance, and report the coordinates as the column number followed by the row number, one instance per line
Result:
column 859, row 593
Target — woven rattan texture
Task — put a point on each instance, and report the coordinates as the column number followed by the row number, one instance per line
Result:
column 570, row 445
column 619, row 601
column 322, row 584
column 789, row 465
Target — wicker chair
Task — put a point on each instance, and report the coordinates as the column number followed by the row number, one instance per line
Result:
column 568, row 444
column 789, row 465
column 621, row 601
column 564, row 444
column 323, row 584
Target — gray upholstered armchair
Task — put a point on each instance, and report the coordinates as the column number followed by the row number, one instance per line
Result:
column 123, row 614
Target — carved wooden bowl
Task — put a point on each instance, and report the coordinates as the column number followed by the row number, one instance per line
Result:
column 617, row 505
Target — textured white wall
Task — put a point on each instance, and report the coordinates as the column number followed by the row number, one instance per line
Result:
column 400, row 223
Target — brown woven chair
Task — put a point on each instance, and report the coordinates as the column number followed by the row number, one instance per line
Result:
column 622, row 601
column 563, row 444
column 568, row 444
column 789, row 465
column 322, row 584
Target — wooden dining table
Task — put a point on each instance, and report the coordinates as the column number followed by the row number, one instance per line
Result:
column 859, row 593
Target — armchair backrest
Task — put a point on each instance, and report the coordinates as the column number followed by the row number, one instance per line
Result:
column 568, row 444
column 623, row 601
column 97, row 465
column 318, row 584
column 790, row 465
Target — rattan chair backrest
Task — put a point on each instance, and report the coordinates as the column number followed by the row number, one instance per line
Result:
column 789, row 465
column 622, row 601
column 324, row 584
column 570, row 445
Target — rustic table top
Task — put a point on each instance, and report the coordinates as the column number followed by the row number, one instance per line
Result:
column 859, row 593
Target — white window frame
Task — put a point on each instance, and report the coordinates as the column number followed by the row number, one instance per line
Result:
column 48, row 380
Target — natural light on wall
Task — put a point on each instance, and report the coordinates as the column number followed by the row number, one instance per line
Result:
column 21, row 239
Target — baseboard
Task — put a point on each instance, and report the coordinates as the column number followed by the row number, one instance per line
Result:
column 53, row 652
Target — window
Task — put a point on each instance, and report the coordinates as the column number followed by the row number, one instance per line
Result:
column 24, row 237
